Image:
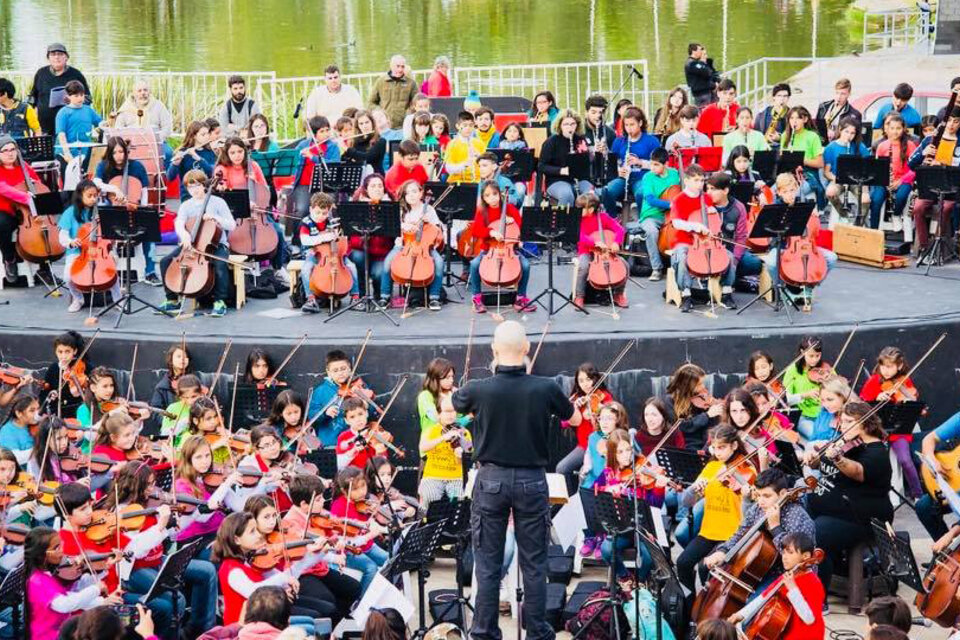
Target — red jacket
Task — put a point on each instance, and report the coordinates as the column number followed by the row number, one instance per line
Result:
column 8, row 194
column 232, row 601
column 72, row 548
column 686, row 208
column 482, row 220
column 398, row 174
column 590, row 225
column 711, row 119
column 872, row 388
column 437, row 86
column 812, row 591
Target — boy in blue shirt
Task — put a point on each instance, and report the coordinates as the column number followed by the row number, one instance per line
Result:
column 75, row 121
column 324, row 406
column 632, row 151
column 901, row 97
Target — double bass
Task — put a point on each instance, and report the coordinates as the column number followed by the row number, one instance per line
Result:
column 500, row 265
column 191, row 274
column 94, row 269
column 607, row 270
column 38, row 238
column 413, row 266
column 331, row 277
column 254, row 236
column 707, row 256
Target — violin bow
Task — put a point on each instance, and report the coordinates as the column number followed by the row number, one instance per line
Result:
column 374, row 432
column 536, row 353
column 856, row 379
column 303, row 422
column 233, row 399
column 613, row 364
column 283, row 541
column 286, row 360
column 313, row 497
column 116, row 509
column 356, row 362
column 223, row 360
column 393, row 397
column 79, row 358
column 466, row 358
column 76, row 538
column 846, row 344
column 43, row 458
column 133, row 367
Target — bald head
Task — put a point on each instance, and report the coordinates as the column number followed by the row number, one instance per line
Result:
column 510, row 343
column 398, row 66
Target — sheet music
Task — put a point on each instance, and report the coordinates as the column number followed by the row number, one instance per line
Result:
column 569, row 521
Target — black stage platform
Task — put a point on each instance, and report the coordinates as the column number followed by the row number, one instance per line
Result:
column 900, row 307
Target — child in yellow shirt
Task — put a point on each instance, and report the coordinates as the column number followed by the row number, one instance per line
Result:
column 460, row 157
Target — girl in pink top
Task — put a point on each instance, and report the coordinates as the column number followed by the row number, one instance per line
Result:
column 196, row 459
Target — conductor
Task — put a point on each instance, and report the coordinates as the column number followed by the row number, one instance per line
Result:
column 513, row 413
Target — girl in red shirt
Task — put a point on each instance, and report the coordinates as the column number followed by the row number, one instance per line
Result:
column 760, row 368
column 590, row 225
column 11, row 174
column 898, row 146
column 268, row 453
column 655, row 421
column 891, row 369
column 350, row 489
column 589, row 400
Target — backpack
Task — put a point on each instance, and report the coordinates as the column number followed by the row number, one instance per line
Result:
column 644, row 601
column 600, row 627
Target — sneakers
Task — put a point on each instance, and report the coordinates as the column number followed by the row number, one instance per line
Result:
column 478, row 306
column 727, row 301
column 656, row 275
column 152, row 279
column 310, row 306
column 686, row 304
column 354, row 297
column 170, row 306
column 219, row 309
column 522, row 305
column 75, row 305
column 620, row 300
column 434, row 304
column 11, row 271
column 384, row 303
column 589, row 544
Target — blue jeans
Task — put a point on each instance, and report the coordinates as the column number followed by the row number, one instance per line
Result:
column 625, row 542
column 878, row 197
column 930, row 513
column 204, row 588
column 161, row 606
column 386, row 281
column 282, row 255
column 770, row 261
column 615, row 190
column 475, row 284
column 368, row 563
column 376, row 269
column 310, row 261
column 563, row 192
column 749, row 265
column 683, row 533
column 812, row 185
column 149, row 266
column 805, row 428
column 685, row 279
column 651, row 227
column 520, row 193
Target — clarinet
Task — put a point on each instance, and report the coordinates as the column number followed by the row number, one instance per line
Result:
column 576, row 183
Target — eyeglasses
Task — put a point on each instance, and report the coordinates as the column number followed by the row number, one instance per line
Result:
column 267, row 444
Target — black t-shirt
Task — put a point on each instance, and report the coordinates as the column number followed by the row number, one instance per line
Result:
column 843, row 497
column 513, row 416
column 43, row 82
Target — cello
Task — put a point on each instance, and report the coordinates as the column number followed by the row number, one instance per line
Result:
column 38, row 238
column 801, row 263
column 500, row 265
column 668, row 234
column 775, row 615
column 254, row 236
column 129, row 187
column 758, row 245
column 191, row 274
column 707, row 256
column 607, row 270
column 94, row 269
column 331, row 277
column 413, row 266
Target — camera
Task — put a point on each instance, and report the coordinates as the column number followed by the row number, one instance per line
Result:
column 129, row 615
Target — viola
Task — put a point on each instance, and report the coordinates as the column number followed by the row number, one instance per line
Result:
column 500, row 265
column 331, row 277
column 254, row 236
column 413, row 266
column 774, row 617
column 94, row 269
column 707, row 256
column 607, row 270
column 191, row 273
column 38, row 237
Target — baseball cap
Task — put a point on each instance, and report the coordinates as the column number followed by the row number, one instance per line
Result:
column 55, row 47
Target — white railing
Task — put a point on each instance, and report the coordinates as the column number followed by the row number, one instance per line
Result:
column 897, row 28
column 570, row 83
column 756, row 78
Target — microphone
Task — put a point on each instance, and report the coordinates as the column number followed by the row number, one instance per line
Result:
column 633, row 439
column 633, row 70
column 296, row 112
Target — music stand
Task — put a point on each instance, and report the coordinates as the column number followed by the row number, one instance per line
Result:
column 415, row 554
column 11, row 594
column 130, row 227
column 579, row 165
column 170, row 579
column 661, row 575
column 900, row 418
column 460, row 203
column 742, row 192
column 36, row 148
column 556, row 225
column 365, row 219
column 862, row 171
column 789, row 463
column 276, row 164
column 896, row 557
column 940, row 183
column 770, row 164
column 516, row 164
column 254, row 403
column 338, row 178
column 681, row 464
column 238, row 201
column 455, row 516
column 779, row 221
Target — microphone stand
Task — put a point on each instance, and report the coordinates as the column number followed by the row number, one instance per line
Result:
column 636, row 542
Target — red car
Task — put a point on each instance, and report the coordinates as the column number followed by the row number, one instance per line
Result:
column 926, row 102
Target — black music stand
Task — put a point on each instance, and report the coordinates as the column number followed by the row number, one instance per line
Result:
column 788, row 463
column 900, row 418
column 862, row 171
column 681, row 464
column 516, row 164
column 12, row 591
column 365, row 219
column 415, row 554
column 455, row 516
column 579, row 165
column 896, row 557
column 779, row 221
column 238, row 201
column 254, row 404
column 661, row 575
column 460, row 203
column 36, row 148
column 338, row 178
column 130, row 227
column 938, row 183
column 170, row 579
column 770, row 164
column 743, row 192
column 555, row 225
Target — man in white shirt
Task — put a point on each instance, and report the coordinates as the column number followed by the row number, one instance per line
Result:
column 332, row 99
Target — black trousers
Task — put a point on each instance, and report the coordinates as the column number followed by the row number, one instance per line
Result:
column 698, row 549
column 336, row 588
column 221, row 272
column 835, row 536
column 498, row 492
column 8, row 224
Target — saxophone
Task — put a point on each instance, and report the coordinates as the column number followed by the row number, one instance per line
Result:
column 776, row 117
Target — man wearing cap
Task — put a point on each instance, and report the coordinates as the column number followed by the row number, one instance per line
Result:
column 51, row 80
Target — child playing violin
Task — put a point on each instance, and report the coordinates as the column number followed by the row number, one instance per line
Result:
column 49, row 601
column 441, row 447
column 655, row 420
column 688, row 399
column 267, row 457
column 15, row 434
column 351, row 450
column 610, row 417
column 617, row 479
column 59, row 377
column 590, row 224
column 722, row 504
column 588, row 397
column 314, row 150
column 179, row 362
column 803, row 392
column 75, row 506
column 238, row 539
column 117, row 441
column 760, row 369
column 50, row 448
column 102, row 388
column 326, row 396
column 777, row 424
column 439, row 382
column 799, row 585
column 205, row 422
column 741, row 412
column 188, row 391
column 891, row 370
column 286, row 416
column 380, row 475
column 485, row 227
column 315, row 229
column 194, row 461
column 15, row 487
column 350, row 489
column 134, row 484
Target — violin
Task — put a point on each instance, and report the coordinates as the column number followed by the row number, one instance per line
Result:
column 308, row 440
column 703, row 400
column 14, row 533
column 38, row 237
column 76, row 377
column 647, row 475
column 844, row 449
column 381, row 440
column 607, row 270
column 94, row 269
column 500, row 265
column 74, row 430
column 144, row 448
column 72, row 568
column 73, row 459
column 105, row 522
column 179, row 502
column 773, row 618
column 413, row 266
column 707, row 256
column 331, row 277
column 820, row 373
column 739, row 477
column 96, row 463
column 15, row 376
column 136, row 409
column 465, row 444
column 593, row 400
column 324, row 521
column 254, row 236
column 280, row 548
column 191, row 274
column 898, row 390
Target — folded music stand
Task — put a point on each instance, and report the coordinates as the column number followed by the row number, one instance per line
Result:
column 681, row 464
column 661, row 575
column 940, row 183
column 460, row 203
column 130, row 227
column 555, row 225
column 170, row 579
column 778, row 222
column 862, row 171
column 896, row 557
column 415, row 554
column 12, row 591
column 789, row 463
column 365, row 219
column 338, row 178
column 516, row 164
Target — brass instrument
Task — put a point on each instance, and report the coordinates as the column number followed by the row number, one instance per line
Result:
column 774, row 122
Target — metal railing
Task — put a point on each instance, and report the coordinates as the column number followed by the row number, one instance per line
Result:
column 897, row 28
column 756, row 78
